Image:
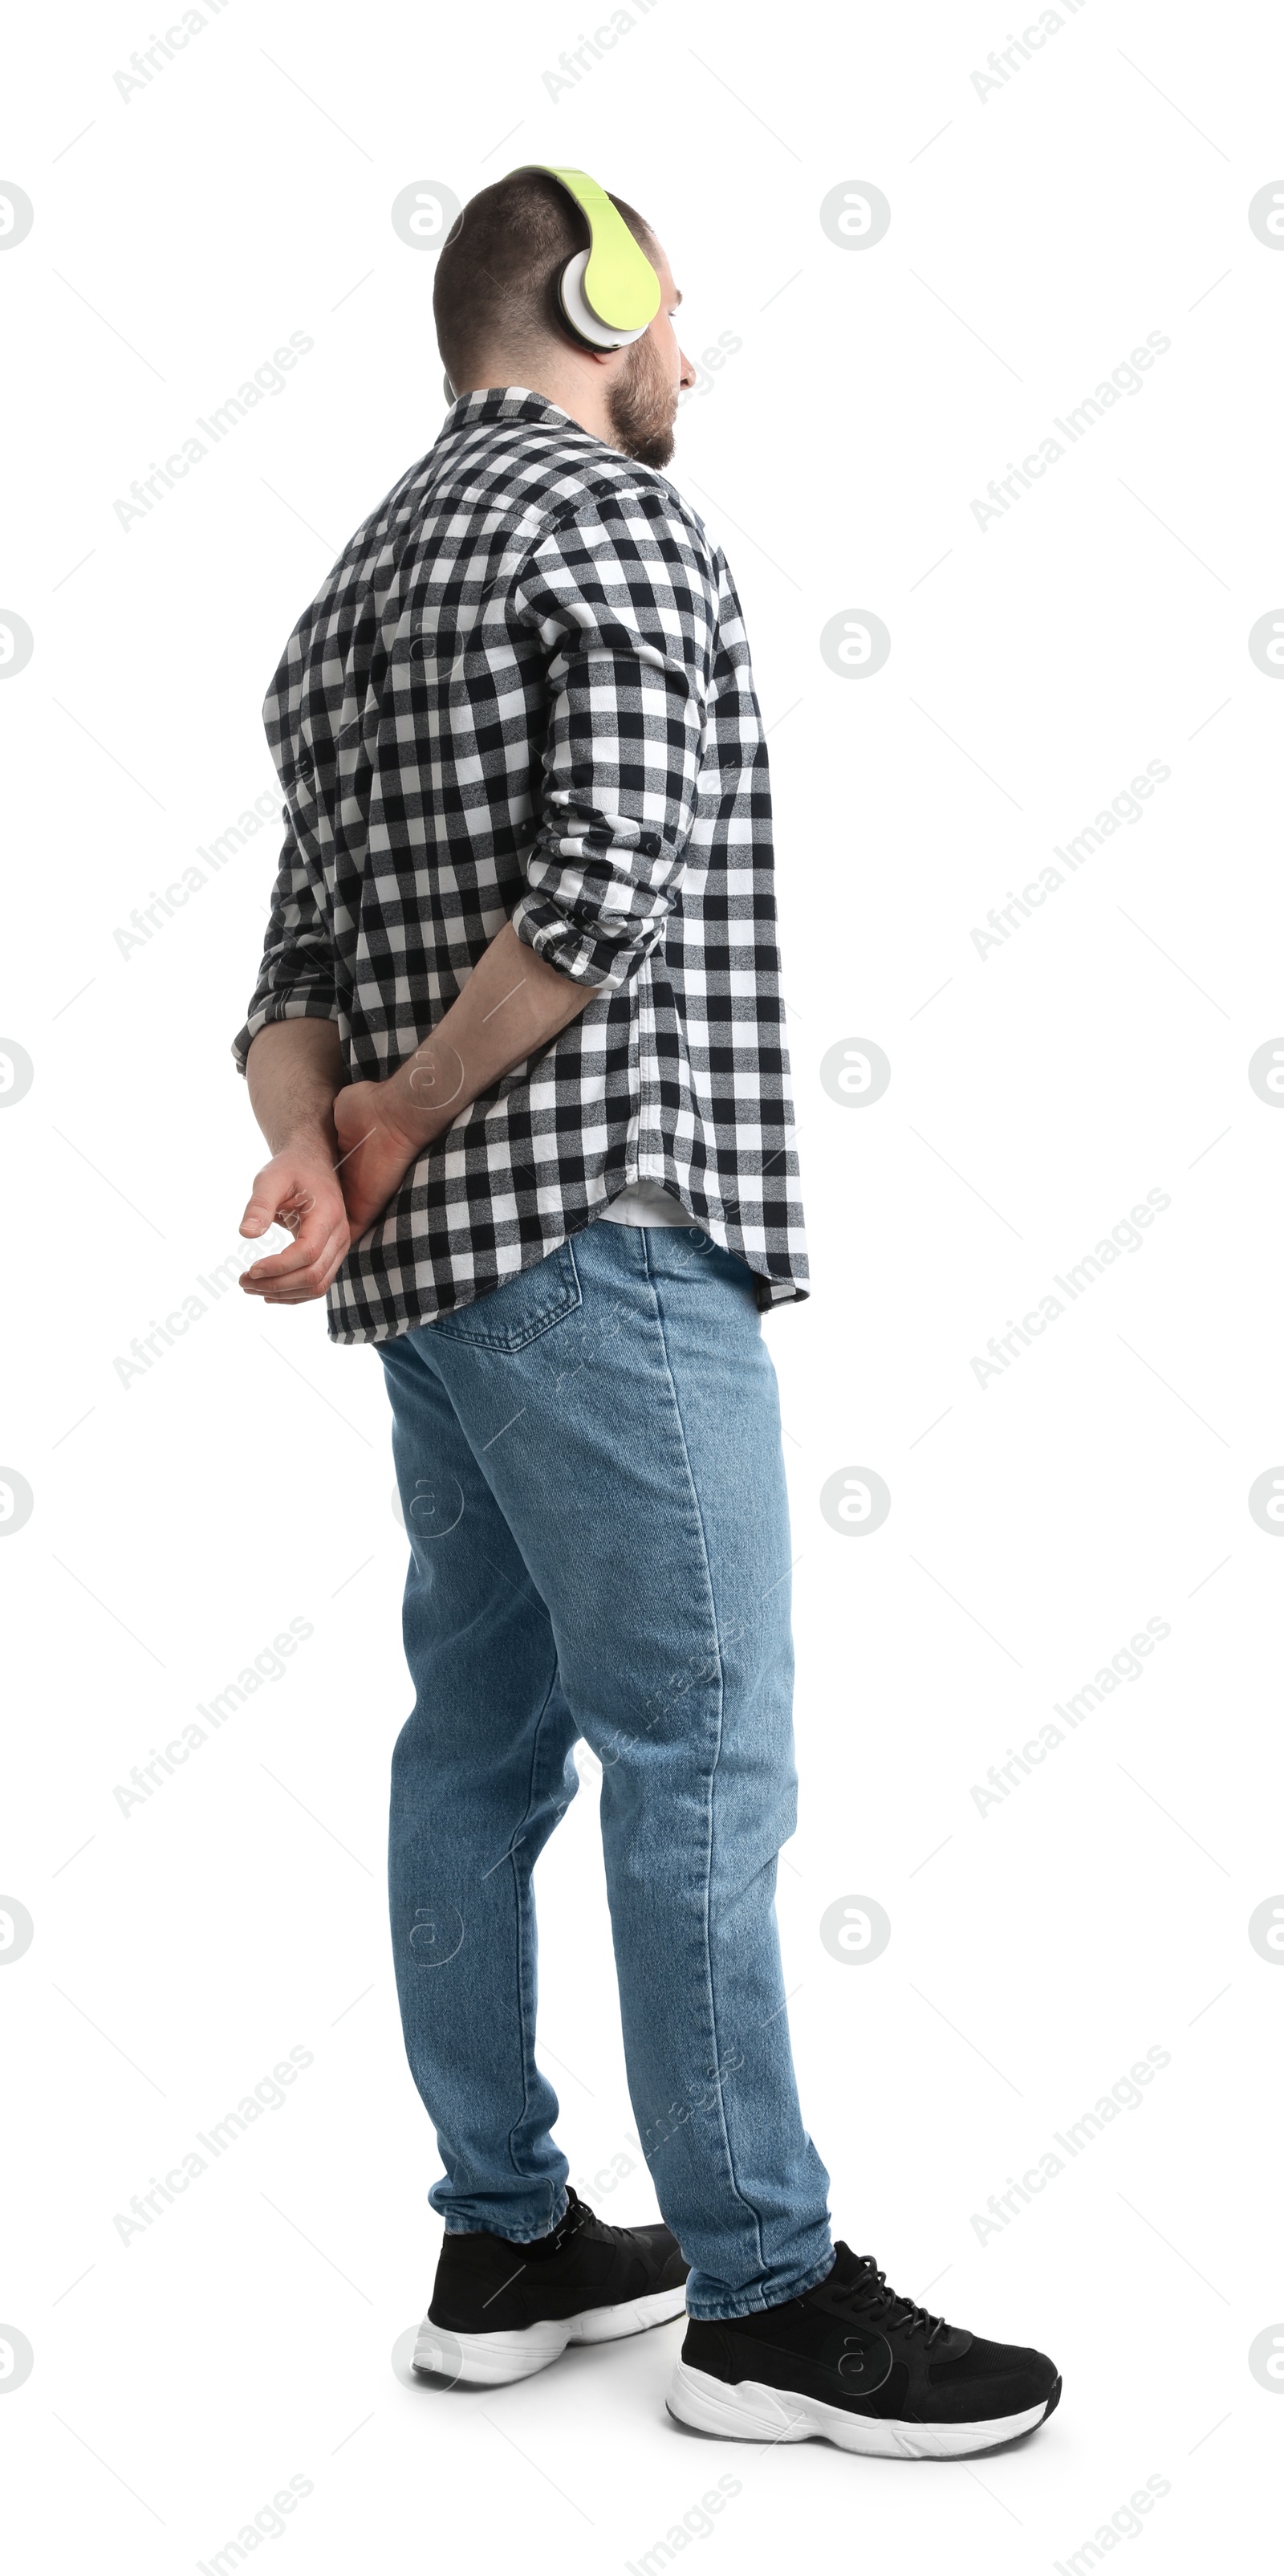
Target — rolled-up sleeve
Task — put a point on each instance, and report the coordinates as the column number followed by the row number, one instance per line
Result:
column 625, row 604
column 297, row 974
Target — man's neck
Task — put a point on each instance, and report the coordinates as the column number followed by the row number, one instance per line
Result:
column 581, row 395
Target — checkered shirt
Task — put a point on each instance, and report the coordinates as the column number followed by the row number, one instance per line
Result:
column 524, row 694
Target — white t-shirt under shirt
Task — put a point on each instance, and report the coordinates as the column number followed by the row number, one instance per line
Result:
column 646, row 1203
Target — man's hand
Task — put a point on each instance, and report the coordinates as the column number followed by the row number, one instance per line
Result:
column 298, row 1189
column 374, row 1152
column 295, row 1068
column 341, row 1153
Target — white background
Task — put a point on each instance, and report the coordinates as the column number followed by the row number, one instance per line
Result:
column 182, row 1519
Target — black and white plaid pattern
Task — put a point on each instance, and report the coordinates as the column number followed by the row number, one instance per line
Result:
column 524, row 693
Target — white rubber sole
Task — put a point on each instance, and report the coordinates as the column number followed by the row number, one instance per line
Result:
column 749, row 2412
column 491, row 2360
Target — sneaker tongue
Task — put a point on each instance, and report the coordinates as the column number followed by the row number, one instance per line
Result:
column 575, row 2216
column 849, row 2266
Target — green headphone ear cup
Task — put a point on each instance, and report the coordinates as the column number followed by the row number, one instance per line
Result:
column 578, row 315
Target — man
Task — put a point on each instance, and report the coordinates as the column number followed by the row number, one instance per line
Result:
column 517, row 1048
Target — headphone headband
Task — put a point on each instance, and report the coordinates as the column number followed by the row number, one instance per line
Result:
column 615, row 281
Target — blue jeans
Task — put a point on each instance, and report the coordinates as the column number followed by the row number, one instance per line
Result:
column 590, row 1470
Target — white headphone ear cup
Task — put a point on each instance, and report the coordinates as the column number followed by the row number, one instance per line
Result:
column 579, row 313
column 448, row 389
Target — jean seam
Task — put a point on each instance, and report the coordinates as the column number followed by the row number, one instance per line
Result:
column 527, row 2038
column 746, row 2205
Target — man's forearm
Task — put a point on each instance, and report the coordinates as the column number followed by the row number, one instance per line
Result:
column 293, row 1070
column 510, row 1007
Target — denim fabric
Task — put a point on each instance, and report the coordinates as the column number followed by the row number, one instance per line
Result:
column 590, row 1470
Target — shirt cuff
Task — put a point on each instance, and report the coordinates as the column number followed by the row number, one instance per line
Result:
column 585, row 957
column 280, row 1006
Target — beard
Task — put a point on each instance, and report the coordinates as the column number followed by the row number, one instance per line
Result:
column 642, row 406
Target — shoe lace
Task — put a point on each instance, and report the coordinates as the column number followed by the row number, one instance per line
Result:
column 576, row 2215
column 870, row 2295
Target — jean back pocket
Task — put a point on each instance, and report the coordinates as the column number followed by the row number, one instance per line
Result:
column 509, row 1317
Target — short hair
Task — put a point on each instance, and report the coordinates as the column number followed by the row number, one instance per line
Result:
column 496, row 272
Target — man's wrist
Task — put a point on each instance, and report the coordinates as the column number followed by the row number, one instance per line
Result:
column 309, row 1138
column 420, row 1101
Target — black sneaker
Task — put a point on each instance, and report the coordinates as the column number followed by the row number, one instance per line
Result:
column 501, row 2311
column 854, row 2364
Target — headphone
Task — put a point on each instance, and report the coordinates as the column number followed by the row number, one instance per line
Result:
column 608, row 294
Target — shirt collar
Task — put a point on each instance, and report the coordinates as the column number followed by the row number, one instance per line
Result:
column 506, row 402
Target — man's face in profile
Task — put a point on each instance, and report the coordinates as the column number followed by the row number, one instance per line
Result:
column 642, row 398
